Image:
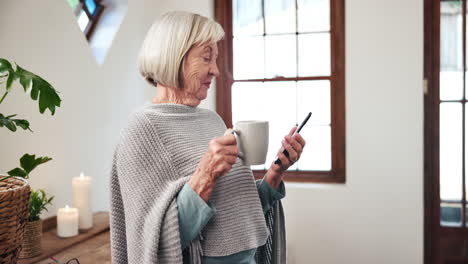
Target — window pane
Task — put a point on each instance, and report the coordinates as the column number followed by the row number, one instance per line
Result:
column 314, row 54
column 248, row 17
column 451, row 85
column 244, row 98
column 451, row 151
column 280, row 52
column 313, row 15
column 451, row 35
column 466, row 156
column 271, row 101
column 466, row 57
column 248, row 58
column 450, row 214
column 451, row 50
column 83, row 20
column 247, row 96
column 466, row 215
column 280, row 16
column 314, row 96
column 317, row 152
column 73, row 3
column 281, row 100
column 91, row 5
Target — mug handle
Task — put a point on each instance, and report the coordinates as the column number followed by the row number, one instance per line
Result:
column 236, row 133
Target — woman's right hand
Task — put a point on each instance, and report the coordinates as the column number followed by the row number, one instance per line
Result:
column 218, row 160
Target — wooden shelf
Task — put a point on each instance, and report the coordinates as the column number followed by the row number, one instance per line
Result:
column 53, row 245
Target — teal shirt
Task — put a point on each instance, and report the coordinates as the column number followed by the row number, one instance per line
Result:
column 194, row 214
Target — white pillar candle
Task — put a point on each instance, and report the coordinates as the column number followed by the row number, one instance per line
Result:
column 67, row 222
column 82, row 200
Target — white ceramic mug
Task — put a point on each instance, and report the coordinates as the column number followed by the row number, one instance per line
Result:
column 252, row 141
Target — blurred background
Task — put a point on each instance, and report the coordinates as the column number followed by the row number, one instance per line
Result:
column 283, row 56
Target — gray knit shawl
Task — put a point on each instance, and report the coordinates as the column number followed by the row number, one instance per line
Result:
column 157, row 153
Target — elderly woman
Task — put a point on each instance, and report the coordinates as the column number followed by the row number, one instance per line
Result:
column 179, row 192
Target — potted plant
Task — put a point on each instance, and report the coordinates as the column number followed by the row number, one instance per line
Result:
column 14, row 188
column 32, row 241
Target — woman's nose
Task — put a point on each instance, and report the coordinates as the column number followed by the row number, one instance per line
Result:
column 214, row 69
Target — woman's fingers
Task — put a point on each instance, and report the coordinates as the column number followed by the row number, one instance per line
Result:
column 285, row 162
column 294, row 143
column 230, row 150
column 227, row 163
column 231, row 159
column 224, row 145
column 299, row 139
column 228, row 139
column 293, row 155
column 276, row 167
column 291, row 132
column 296, row 136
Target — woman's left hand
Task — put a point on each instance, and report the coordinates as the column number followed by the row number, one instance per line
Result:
column 294, row 144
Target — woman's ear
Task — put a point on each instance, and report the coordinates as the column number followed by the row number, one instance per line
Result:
column 182, row 71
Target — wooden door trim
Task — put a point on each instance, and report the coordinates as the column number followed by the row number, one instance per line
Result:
column 431, row 129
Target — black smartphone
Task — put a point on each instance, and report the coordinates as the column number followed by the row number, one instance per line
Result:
column 285, row 152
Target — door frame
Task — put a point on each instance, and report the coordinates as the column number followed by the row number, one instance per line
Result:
column 431, row 129
column 440, row 242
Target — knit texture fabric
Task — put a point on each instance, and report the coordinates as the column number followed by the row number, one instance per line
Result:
column 157, row 153
column 274, row 251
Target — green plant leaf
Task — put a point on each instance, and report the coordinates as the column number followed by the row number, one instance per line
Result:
column 24, row 124
column 11, row 124
column 8, row 123
column 40, row 88
column 11, row 78
column 17, row 172
column 29, row 162
column 37, row 203
column 6, row 67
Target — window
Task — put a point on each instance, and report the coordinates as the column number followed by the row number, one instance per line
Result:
column 280, row 60
column 452, row 113
column 445, row 123
column 99, row 20
column 87, row 13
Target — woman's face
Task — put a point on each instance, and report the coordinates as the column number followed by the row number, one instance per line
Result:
column 199, row 69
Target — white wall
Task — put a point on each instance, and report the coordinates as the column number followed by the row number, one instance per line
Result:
column 376, row 217
column 96, row 99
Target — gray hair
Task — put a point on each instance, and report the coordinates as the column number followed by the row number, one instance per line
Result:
column 168, row 41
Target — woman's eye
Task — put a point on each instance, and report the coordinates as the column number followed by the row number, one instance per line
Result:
column 206, row 59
